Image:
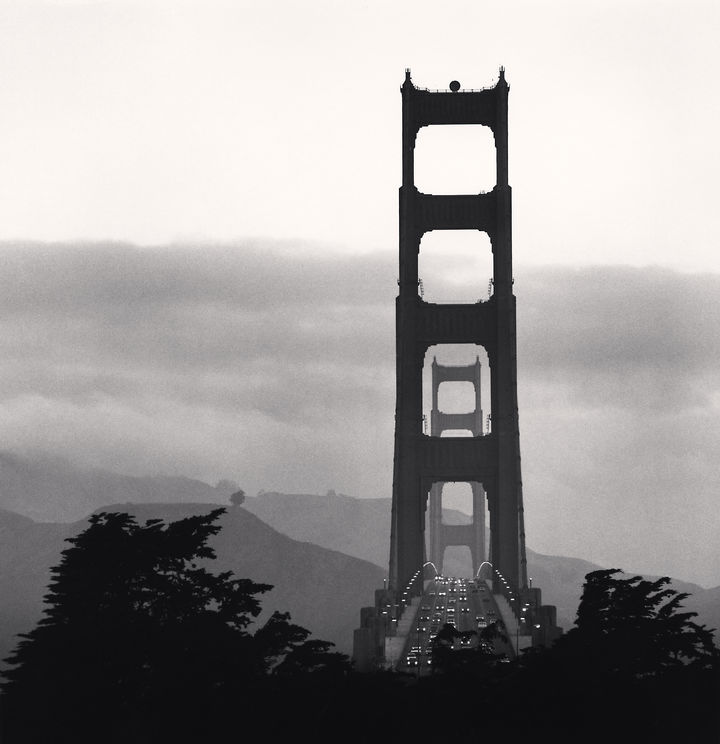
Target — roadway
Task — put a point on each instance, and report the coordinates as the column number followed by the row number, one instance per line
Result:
column 466, row 604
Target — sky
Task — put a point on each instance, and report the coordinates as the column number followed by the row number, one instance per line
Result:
column 198, row 227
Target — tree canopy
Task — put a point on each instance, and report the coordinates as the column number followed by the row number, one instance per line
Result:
column 142, row 642
column 634, row 626
column 136, row 623
column 238, row 497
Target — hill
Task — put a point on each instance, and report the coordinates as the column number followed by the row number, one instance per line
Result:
column 53, row 490
column 361, row 527
column 322, row 589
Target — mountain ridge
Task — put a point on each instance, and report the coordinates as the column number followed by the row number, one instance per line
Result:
column 322, row 589
column 38, row 489
column 560, row 578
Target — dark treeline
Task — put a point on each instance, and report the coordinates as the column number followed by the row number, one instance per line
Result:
column 140, row 642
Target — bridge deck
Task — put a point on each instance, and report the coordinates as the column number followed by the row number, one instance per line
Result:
column 470, row 606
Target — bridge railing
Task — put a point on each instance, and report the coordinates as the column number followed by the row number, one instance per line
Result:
column 448, row 90
column 533, row 617
column 520, row 602
column 404, row 596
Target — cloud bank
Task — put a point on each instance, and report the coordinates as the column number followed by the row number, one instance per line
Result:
column 273, row 364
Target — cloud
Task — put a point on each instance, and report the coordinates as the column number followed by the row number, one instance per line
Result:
column 273, row 364
column 623, row 337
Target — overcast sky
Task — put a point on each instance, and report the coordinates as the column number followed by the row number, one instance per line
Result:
column 247, row 157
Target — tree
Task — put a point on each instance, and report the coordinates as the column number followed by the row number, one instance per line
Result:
column 636, row 627
column 477, row 649
column 443, row 644
column 135, row 627
column 635, row 667
column 237, row 498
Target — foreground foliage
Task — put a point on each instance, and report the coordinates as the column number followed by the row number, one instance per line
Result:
column 140, row 639
column 142, row 643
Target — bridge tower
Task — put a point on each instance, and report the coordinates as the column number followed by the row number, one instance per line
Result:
column 444, row 535
column 492, row 459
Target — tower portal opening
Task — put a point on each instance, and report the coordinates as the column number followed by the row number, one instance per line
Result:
column 456, row 397
column 457, row 561
column 455, row 266
column 457, row 497
column 455, row 159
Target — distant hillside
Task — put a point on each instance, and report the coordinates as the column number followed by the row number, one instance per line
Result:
column 321, row 588
column 27, row 551
column 361, row 527
column 53, row 490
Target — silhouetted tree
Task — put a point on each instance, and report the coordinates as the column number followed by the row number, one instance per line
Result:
column 492, row 633
column 636, row 667
column 477, row 657
column 237, row 498
column 636, row 627
column 137, row 634
column 443, row 648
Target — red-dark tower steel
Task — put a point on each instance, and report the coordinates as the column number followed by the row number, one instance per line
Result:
column 493, row 459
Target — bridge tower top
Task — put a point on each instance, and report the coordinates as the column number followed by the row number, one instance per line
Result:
column 484, row 106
